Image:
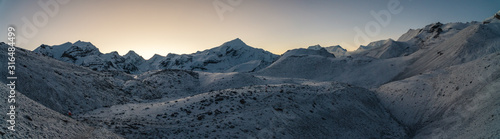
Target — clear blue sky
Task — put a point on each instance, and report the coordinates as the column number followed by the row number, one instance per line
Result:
column 186, row 26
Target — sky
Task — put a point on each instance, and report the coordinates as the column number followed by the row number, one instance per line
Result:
column 185, row 26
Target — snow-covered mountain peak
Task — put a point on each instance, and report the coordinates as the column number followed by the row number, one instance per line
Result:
column 132, row 55
column 315, row 47
column 306, row 52
column 155, row 56
column 83, row 44
column 68, row 51
column 235, row 42
column 231, row 47
column 231, row 56
column 337, row 50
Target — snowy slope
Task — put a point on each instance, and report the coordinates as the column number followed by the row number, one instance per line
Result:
column 474, row 41
column 34, row 120
column 361, row 71
column 456, row 102
column 163, row 84
column 330, row 110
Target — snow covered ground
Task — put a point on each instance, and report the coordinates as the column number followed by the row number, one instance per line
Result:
column 331, row 110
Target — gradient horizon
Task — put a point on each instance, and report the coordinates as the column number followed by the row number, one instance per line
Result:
column 186, row 26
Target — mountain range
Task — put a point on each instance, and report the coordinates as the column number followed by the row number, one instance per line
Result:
column 232, row 56
column 439, row 81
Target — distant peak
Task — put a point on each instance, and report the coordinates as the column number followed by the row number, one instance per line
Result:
column 315, row 47
column 156, row 56
column 235, row 42
column 336, row 47
column 114, row 53
column 80, row 41
column 84, row 44
column 237, row 39
column 131, row 52
column 302, row 51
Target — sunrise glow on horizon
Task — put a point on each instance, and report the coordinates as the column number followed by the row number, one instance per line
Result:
column 182, row 27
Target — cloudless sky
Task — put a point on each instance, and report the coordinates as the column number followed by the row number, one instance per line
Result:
column 187, row 26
